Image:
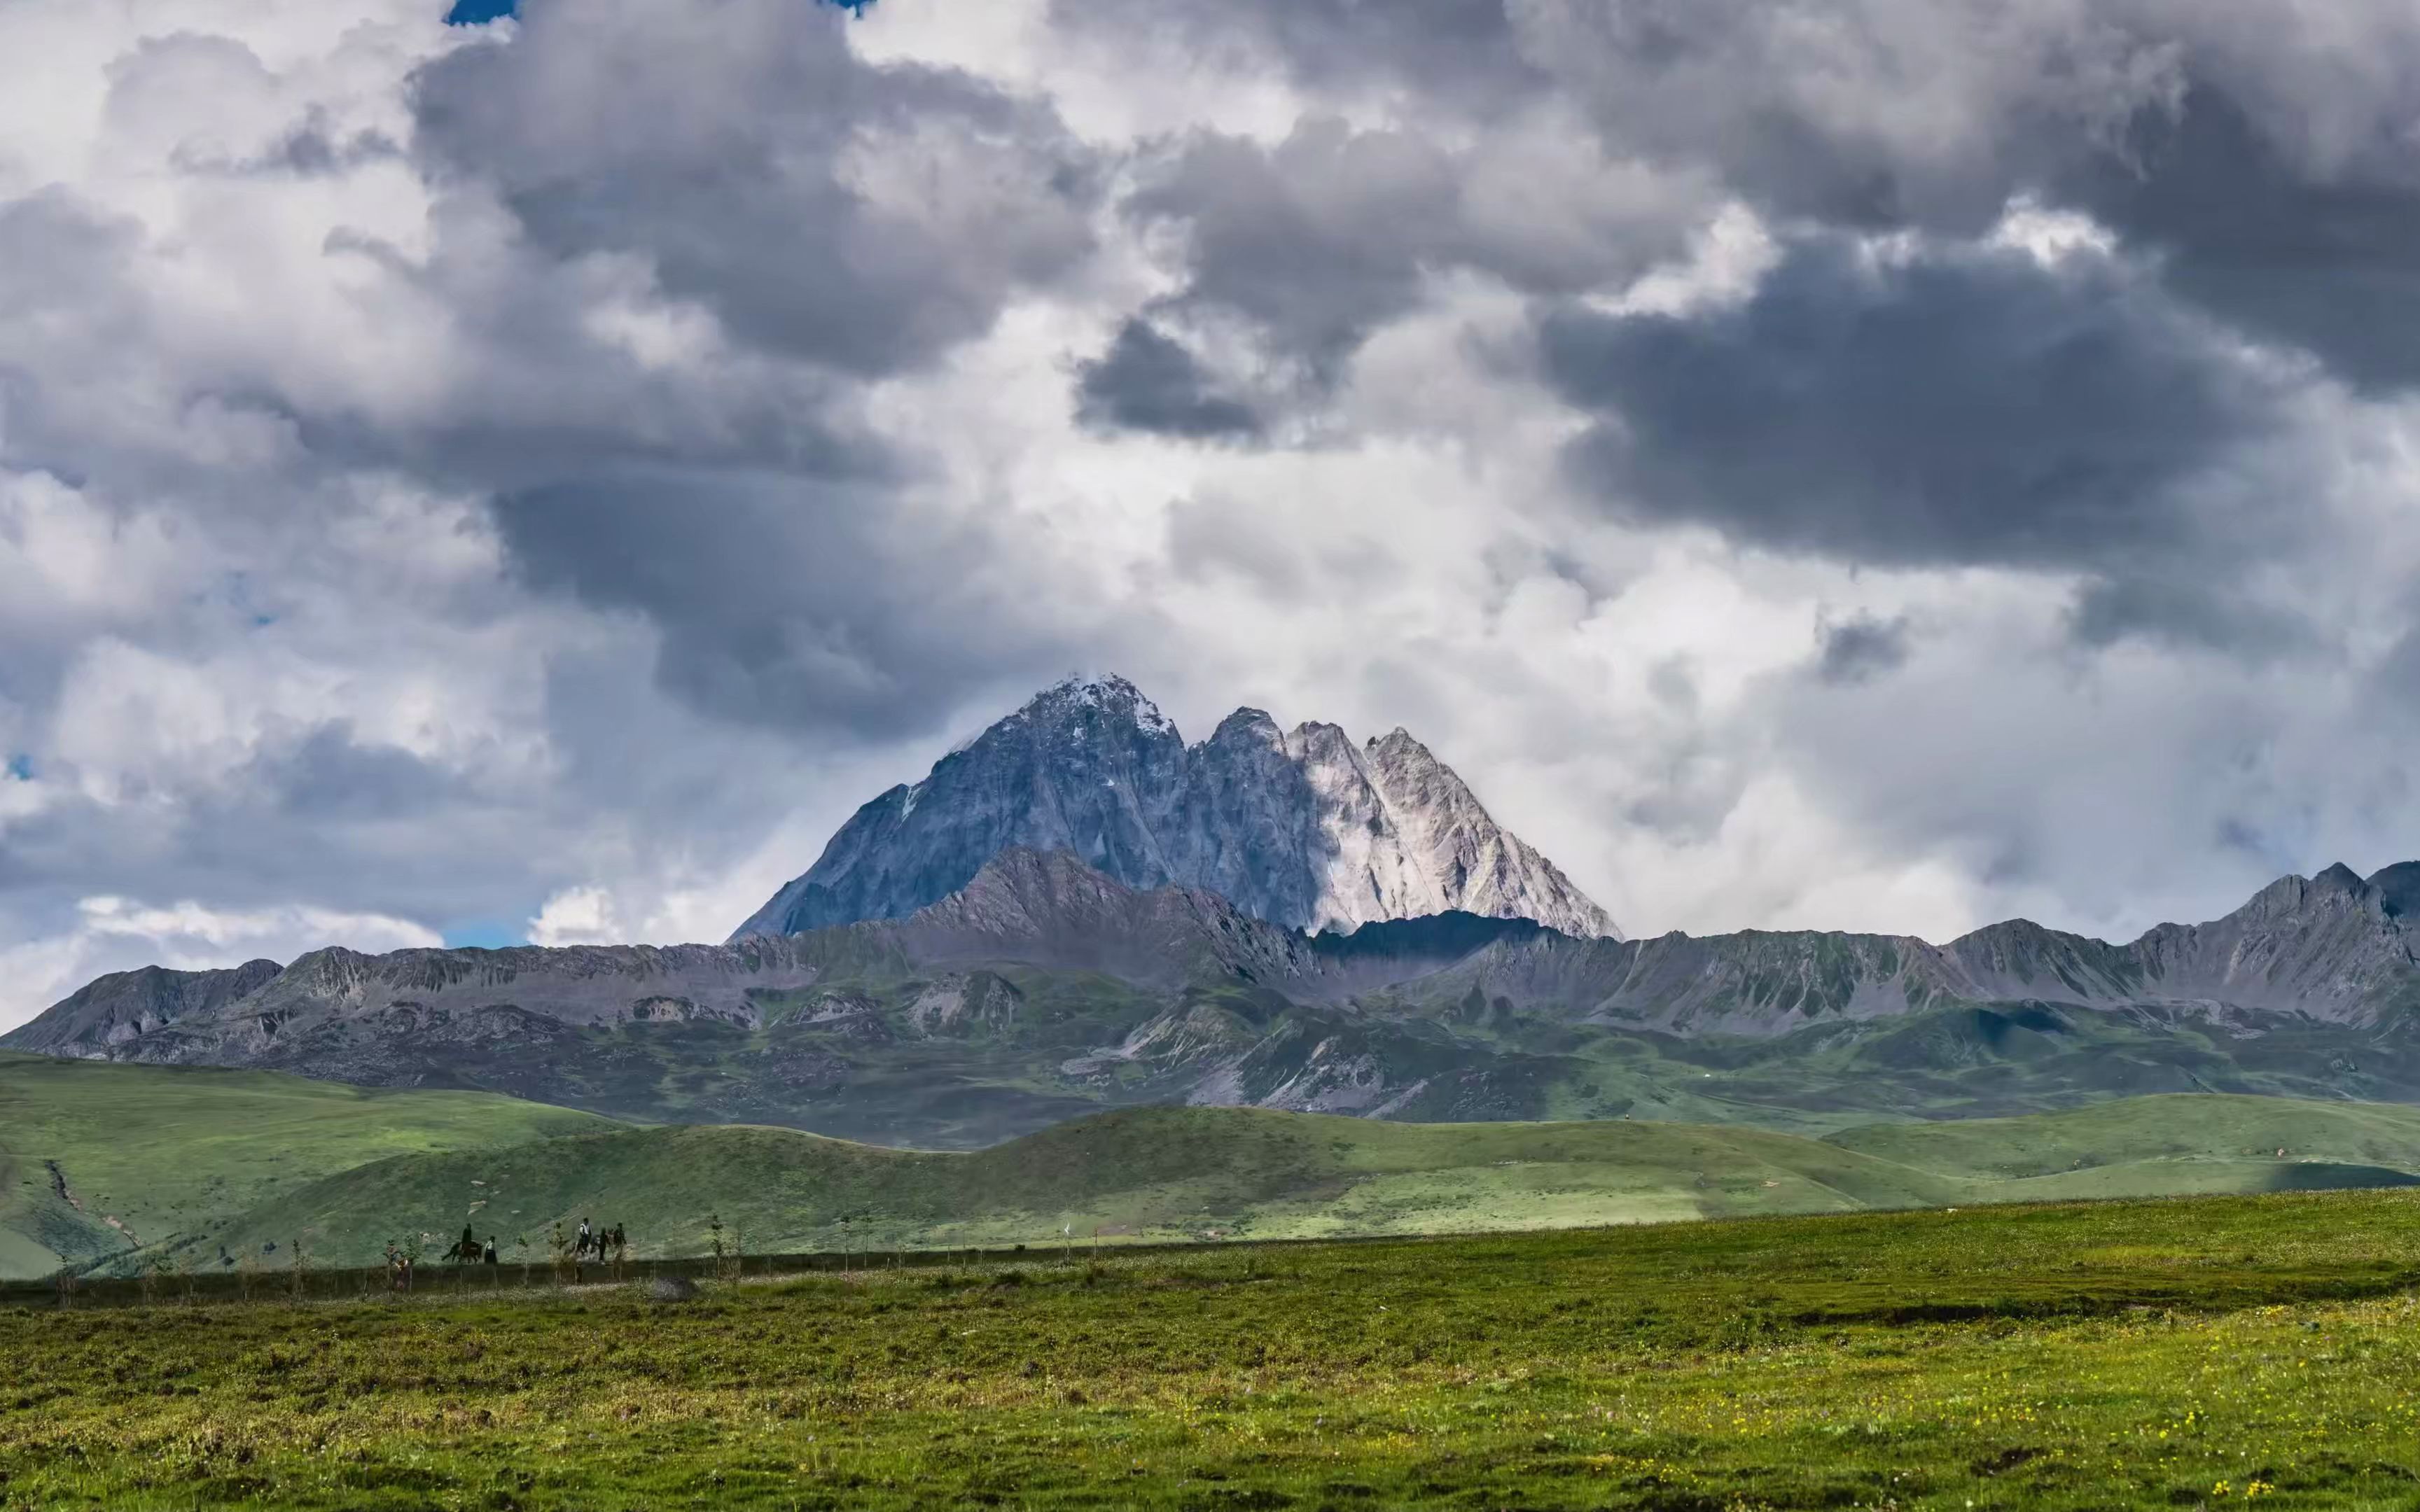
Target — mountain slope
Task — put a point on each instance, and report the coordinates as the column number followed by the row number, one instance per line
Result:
column 97, row 1159
column 126, row 1005
column 2331, row 948
column 2221, row 1130
column 1147, row 1172
column 1301, row 828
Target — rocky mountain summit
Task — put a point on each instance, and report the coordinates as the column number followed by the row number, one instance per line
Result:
column 1045, row 987
column 1301, row 828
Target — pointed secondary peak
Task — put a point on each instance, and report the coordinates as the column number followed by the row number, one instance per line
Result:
column 1248, row 723
column 1323, row 745
column 2339, row 876
column 1027, row 881
column 1399, row 743
column 2399, row 888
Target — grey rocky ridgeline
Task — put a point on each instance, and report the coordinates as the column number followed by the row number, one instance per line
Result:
column 1038, row 979
column 1300, row 827
column 2333, row 948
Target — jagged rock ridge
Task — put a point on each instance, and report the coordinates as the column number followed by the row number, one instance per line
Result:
column 125, row 1005
column 1302, row 828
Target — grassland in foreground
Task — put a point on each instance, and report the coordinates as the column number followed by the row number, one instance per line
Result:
column 2184, row 1352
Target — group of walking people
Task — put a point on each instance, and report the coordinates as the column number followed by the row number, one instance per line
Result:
column 600, row 1241
column 470, row 1250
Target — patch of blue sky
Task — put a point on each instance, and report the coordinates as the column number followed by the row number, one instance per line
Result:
column 20, row 768
column 482, row 934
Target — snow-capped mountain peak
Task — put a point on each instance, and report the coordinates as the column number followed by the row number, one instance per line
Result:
column 1107, row 694
column 1302, row 827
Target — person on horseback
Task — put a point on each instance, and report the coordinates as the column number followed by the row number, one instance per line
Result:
column 466, row 1252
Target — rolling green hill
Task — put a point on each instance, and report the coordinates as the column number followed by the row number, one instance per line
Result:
column 1154, row 1173
column 1178, row 1173
column 2148, row 1145
column 97, row 1159
column 106, row 1165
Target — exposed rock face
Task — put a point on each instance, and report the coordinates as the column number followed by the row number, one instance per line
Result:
column 959, row 1002
column 2333, row 949
column 1300, row 827
column 296, row 1017
column 125, row 1005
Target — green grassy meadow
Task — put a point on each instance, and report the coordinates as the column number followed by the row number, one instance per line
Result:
column 2182, row 1352
column 1178, row 1174
column 1148, row 1173
column 116, row 1168
column 97, row 1159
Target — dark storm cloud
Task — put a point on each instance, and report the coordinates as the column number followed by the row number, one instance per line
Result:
column 1963, row 406
column 263, row 832
column 2326, row 260
column 1859, row 650
column 1863, row 113
column 858, row 217
column 332, row 773
column 2188, row 612
column 1313, row 240
column 1318, row 240
column 782, row 600
column 1147, row 381
column 2269, row 164
column 843, row 220
column 1457, row 52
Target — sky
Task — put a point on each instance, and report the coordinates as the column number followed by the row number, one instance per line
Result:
column 1875, row 464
